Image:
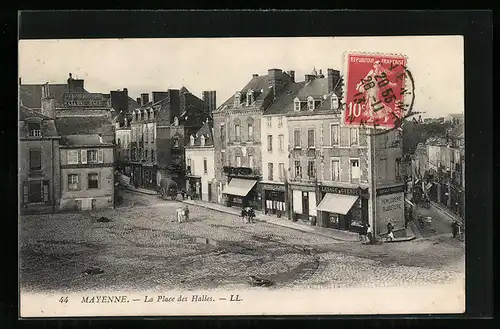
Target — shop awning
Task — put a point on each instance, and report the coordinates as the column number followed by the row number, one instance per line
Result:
column 337, row 203
column 239, row 187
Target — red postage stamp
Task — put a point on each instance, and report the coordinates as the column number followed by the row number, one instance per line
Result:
column 375, row 88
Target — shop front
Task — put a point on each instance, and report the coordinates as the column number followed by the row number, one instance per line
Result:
column 242, row 192
column 304, row 203
column 343, row 208
column 149, row 176
column 193, row 187
column 273, row 200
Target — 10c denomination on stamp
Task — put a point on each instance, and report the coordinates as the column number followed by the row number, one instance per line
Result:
column 375, row 90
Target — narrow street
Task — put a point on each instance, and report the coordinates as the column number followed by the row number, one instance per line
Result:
column 143, row 247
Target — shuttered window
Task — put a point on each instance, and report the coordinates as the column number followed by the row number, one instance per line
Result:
column 35, row 160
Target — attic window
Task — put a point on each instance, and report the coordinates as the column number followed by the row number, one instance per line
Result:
column 249, row 98
column 334, row 103
column 310, row 103
column 296, row 105
column 34, row 129
column 202, row 140
column 237, row 99
column 151, row 114
column 191, row 140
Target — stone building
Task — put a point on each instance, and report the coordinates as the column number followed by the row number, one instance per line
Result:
column 237, row 138
column 159, row 129
column 200, row 166
column 38, row 162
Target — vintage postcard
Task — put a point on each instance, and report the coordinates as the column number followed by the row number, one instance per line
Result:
column 241, row 176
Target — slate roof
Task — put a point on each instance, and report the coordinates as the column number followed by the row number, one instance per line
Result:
column 205, row 130
column 25, row 112
column 48, row 126
column 80, row 140
column 31, row 94
column 258, row 83
column 284, row 102
column 83, row 125
column 315, row 88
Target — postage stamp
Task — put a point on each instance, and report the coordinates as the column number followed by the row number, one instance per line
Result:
column 377, row 94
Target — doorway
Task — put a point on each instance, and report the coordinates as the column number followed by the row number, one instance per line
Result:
column 305, row 203
column 209, row 186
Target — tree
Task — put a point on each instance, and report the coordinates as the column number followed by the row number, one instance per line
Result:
column 414, row 133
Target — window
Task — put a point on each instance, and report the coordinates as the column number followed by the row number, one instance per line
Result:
column 250, row 161
column 250, row 132
column 280, row 122
column 91, row 156
column 205, row 166
column 281, row 168
column 202, row 140
column 296, row 138
column 310, row 104
column 270, row 173
column 238, row 161
column 237, row 97
column 334, row 102
column 146, row 154
column 35, row 191
column 334, row 134
column 223, row 136
column 134, row 153
column 281, row 140
column 269, row 122
column 153, row 156
column 72, row 156
column 354, row 136
column 93, row 181
column 311, row 169
column 237, row 133
column 249, row 98
column 73, row 182
column 34, row 129
column 176, row 142
column 269, row 143
column 355, row 170
column 35, row 160
column 310, row 139
column 335, row 170
column 189, row 162
column 296, row 105
column 191, row 140
column 298, row 169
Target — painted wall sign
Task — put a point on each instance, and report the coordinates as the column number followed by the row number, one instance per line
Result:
column 83, row 100
column 390, row 190
column 273, row 187
column 390, row 207
column 339, row 190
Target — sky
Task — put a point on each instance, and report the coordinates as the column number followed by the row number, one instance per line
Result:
column 227, row 64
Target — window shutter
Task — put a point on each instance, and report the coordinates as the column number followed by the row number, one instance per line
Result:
column 100, row 156
column 45, row 191
column 26, row 191
column 78, row 181
column 84, row 156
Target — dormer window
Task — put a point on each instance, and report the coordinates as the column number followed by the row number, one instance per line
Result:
column 249, row 97
column 176, row 121
column 146, row 115
column 151, row 114
column 191, row 140
column 139, row 115
column 296, row 104
column 34, row 129
column 202, row 140
column 237, row 99
column 310, row 103
column 334, row 102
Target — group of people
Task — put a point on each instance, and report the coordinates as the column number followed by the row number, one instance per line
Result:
column 248, row 215
column 366, row 234
column 183, row 214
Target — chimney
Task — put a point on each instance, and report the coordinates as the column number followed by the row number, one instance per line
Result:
column 75, row 85
column 159, row 95
column 309, row 77
column 125, row 90
column 144, row 99
column 255, row 75
column 333, row 77
column 320, row 75
column 138, row 100
column 209, row 102
column 292, row 75
column 48, row 103
column 275, row 80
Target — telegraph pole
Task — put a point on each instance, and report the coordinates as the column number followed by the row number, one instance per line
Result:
column 372, row 205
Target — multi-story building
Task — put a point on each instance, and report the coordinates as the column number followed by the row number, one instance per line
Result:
column 200, row 166
column 123, row 137
column 455, row 119
column 237, row 138
column 330, row 167
column 158, row 132
column 39, row 167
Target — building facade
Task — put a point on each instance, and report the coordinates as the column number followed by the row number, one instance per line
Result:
column 200, row 165
column 38, row 162
column 238, row 138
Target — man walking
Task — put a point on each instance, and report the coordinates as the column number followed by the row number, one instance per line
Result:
column 454, row 228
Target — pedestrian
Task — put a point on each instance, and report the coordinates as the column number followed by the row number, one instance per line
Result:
column 390, row 231
column 186, row 213
column 179, row 215
column 454, row 228
column 244, row 215
column 369, row 233
column 362, row 233
column 251, row 215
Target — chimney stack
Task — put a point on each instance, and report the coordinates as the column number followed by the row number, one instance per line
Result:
column 309, row 77
column 48, row 103
column 333, row 77
column 138, row 100
column 255, row 75
column 144, row 99
column 292, row 75
column 75, row 85
column 275, row 80
column 209, row 101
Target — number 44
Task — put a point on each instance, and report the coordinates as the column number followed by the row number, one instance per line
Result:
column 63, row 299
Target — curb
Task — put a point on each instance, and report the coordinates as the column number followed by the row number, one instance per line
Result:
column 141, row 192
column 446, row 212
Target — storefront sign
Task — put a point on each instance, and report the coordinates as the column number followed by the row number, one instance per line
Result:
column 340, row 190
column 83, row 100
column 306, row 188
column 390, row 190
column 272, row 187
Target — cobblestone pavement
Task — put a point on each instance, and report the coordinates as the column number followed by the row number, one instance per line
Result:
column 143, row 248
